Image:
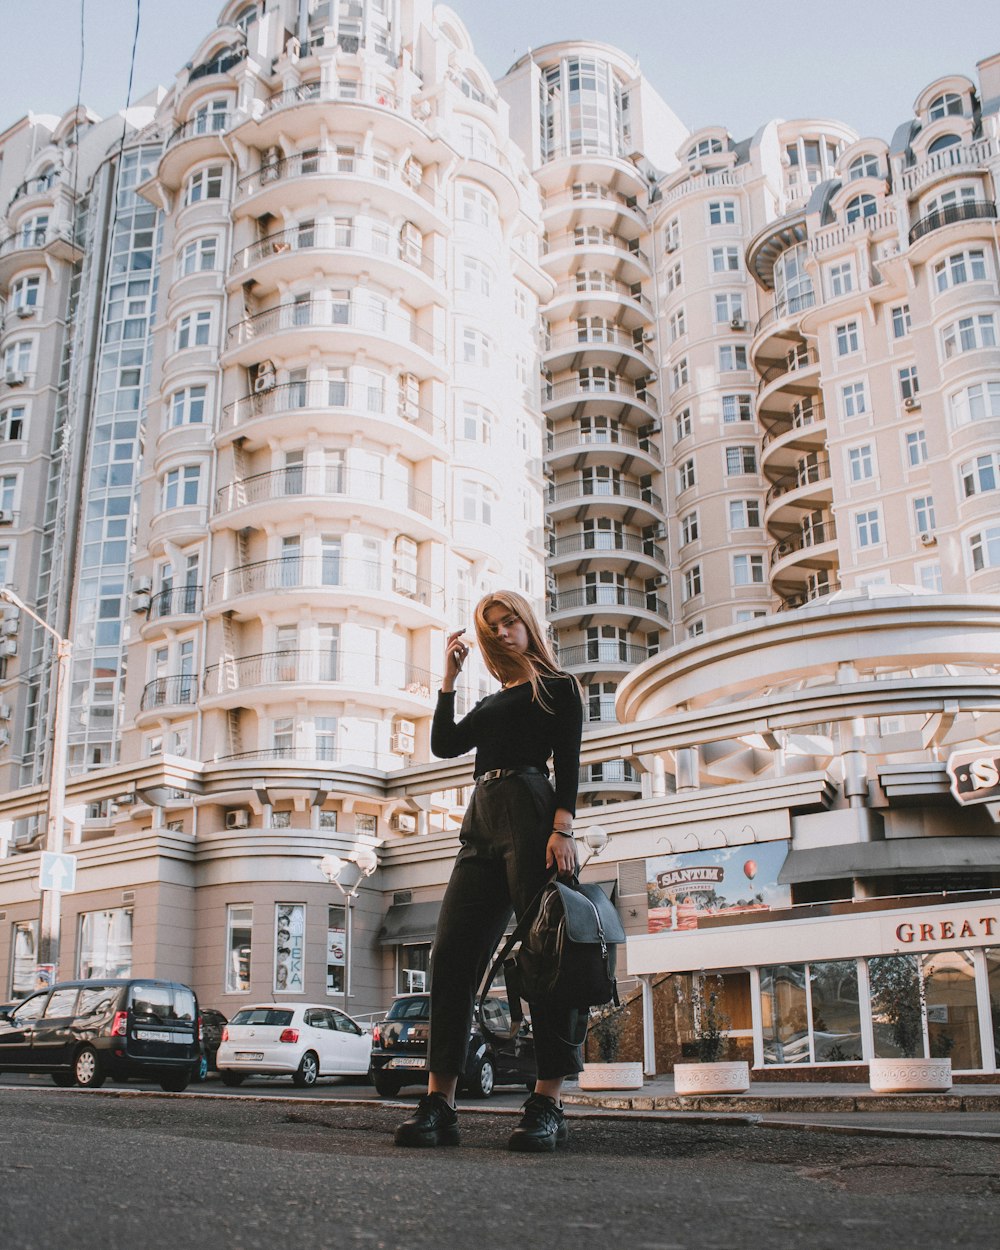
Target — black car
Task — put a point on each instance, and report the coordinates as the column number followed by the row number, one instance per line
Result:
column 82, row 1032
column 212, row 1024
column 399, row 1050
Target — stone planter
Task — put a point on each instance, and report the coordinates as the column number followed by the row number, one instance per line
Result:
column 909, row 1076
column 712, row 1078
column 611, row 1076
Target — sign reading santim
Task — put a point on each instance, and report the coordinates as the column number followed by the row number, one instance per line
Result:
column 974, row 778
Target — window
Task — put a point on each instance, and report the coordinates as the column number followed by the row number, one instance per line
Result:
column 105, row 944
column 732, row 356
column 745, row 615
column 679, row 374
column 969, row 334
column 685, row 475
column 182, row 487
column 23, row 957
column 930, row 577
column 476, row 423
column 12, row 424
column 741, row 460
column 947, row 105
column 672, row 235
column 476, row 205
column 24, row 293
column 744, row 514
column 676, row 325
column 187, row 406
column 673, row 277
column 728, row 307
column 691, row 582
column 901, row 321
column 848, row 338
column 748, row 570
column 477, row 503
column 9, row 492
column 854, row 399
column 722, row 212
column 476, row 348
column 725, row 259
column 737, row 408
column 867, row 528
column 689, row 528
column 981, row 474
column 984, row 548
column 923, row 514
column 194, row 330
column 206, row 184
column 477, row 277
column 865, row 166
column 976, row 403
column 695, row 629
column 682, row 424
column 861, row 208
column 840, row 279
column 861, row 463
column 239, row 937
column 909, row 383
column 965, row 266
column 704, row 147
column 916, row 447
column 199, row 255
column 17, row 357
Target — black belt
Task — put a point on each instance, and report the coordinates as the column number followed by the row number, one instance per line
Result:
column 495, row 773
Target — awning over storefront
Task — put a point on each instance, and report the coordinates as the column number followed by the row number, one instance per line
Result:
column 892, row 857
column 409, row 922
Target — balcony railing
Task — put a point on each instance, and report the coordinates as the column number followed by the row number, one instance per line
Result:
column 610, row 772
column 604, row 286
column 604, row 488
column 337, row 314
column 609, row 336
column 351, row 92
column 603, row 652
column 608, row 596
column 332, row 238
column 957, row 158
column 345, row 757
column 804, row 475
column 351, row 668
column 561, row 242
column 972, row 210
column 606, row 542
column 366, row 403
column 600, row 710
column 824, row 240
column 569, row 439
column 206, row 124
column 598, row 198
column 175, row 601
column 597, row 388
column 787, row 308
column 712, row 180
column 176, row 690
column 320, row 572
column 777, row 429
column 821, row 532
column 24, row 240
column 803, row 359
column 326, row 164
column 329, row 482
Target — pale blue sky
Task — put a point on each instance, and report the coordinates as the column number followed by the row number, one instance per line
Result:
column 718, row 61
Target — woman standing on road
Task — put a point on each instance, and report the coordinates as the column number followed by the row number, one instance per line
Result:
column 517, row 827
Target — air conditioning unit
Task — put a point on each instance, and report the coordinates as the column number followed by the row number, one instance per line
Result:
column 141, row 600
column 648, row 336
column 24, row 311
column 738, row 323
column 263, row 382
column 404, row 727
column 143, row 586
column 8, row 647
column 654, row 427
column 404, row 822
column 5, row 711
column 13, row 378
column 10, row 628
column 659, row 531
column 401, row 744
column 911, row 402
column 6, row 517
column 661, row 581
column 239, row 818
column 928, row 539
column 551, row 585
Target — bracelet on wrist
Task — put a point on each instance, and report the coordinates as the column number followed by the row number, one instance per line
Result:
column 566, row 833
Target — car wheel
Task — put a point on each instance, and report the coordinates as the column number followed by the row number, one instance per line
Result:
column 87, row 1069
column 483, row 1079
column 176, row 1082
column 308, row 1071
column 233, row 1078
column 63, row 1079
column 386, row 1086
column 203, row 1068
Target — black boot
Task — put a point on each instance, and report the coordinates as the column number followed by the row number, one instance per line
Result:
column 542, row 1126
column 434, row 1123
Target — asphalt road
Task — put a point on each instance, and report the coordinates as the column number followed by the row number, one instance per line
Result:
column 126, row 1168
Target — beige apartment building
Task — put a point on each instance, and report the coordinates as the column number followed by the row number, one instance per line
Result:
column 332, row 335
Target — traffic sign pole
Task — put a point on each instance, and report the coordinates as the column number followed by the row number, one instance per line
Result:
column 48, row 944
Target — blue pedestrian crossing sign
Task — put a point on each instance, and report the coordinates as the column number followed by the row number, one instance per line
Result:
column 57, row 872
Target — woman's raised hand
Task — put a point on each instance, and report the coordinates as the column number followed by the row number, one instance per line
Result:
column 455, row 652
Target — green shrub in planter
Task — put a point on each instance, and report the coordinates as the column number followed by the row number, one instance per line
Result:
column 710, row 1021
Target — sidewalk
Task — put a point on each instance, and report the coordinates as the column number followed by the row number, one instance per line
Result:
column 966, row 1110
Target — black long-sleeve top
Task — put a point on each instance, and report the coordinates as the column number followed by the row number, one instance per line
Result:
column 510, row 729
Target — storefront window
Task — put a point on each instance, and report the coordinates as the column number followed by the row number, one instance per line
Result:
column 106, row 944
column 836, row 1014
column 784, row 1014
column 239, row 926
column 992, row 954
column 414, row 966
column 897, row 1023
column 952, row 1015
column 336, row 949
column 24, row 956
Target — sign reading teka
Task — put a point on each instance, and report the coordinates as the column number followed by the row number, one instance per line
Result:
column 974, row 778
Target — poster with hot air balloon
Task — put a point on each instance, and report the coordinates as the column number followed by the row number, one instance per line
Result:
column 685, row 891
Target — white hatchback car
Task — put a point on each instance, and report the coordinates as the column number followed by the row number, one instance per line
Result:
column 301, row 1040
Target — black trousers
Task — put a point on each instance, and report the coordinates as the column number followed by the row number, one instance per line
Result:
column 500, row 866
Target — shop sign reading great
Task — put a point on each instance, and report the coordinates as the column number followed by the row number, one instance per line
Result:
column 974, row 778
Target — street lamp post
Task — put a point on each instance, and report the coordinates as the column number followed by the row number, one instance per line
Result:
column 48, row 941
column 347, row 875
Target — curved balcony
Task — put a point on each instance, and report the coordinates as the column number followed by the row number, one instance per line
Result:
column 319, row 757
column 296, row 254
column 594, row 204
column 614, row 396
column 394, row 685
column 622, row 499
column 171, row 608
column 628, row 552
column 29, row 248
column 810, row 546
column 808, row 488
column 960, row 158
column 710, row 180
column 178, row 690
column 611, row 347
column 569, row 251
column 782, row 444
column 607, row 779
column 618, row 448
column 344, row 582
column 197, row 139
column 287, row 492
column 609, row 298
column 784, row 311
column 605, row 603
column 797, row 374
column 834, row 237
column 301, row 180
column 588, row 161
column 339, row 327
column 603, row 655
column 953, row 214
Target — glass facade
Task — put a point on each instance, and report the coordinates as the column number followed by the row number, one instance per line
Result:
column 584, row 110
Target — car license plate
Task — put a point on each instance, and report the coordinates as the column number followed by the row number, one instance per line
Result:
column 407, row 1063
column 150, row 1035
column 249, row 1054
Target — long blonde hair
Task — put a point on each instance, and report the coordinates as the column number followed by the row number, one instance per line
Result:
column 506, row 666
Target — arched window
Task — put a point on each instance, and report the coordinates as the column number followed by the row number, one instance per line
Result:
column 704, row 147
column 944, row 141
column 245, row 18
column 947, row 105
column 863, row 167
column 861, row 206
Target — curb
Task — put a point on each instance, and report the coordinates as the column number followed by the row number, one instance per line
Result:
column 761, row 1104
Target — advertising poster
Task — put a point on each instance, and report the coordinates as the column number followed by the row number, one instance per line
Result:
column 289, row 948
column 684, row 889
